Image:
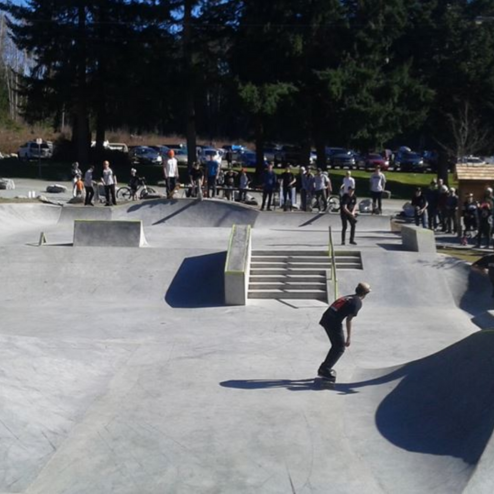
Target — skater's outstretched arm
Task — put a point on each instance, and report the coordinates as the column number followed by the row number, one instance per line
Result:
column 348, row 330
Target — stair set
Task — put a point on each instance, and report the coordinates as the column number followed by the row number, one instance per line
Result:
column 296, row 274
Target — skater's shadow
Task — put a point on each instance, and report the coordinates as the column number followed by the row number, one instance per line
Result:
column 289, row 384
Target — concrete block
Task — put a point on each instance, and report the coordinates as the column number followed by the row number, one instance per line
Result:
column 94, row 233
column 237, row 265
column 417, row 239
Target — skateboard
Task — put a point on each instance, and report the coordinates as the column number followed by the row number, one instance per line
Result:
column 327, row 382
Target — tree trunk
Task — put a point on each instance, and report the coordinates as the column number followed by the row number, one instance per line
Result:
column 190, row 107
column 259, row 145
column 321, row 151
column 442, row 167
column 101, row 86
column 80, row 136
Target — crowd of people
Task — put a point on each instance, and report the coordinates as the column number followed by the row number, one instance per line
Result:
column 87, row 187
column 439, row 209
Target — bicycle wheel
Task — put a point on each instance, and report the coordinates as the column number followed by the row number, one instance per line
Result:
column 124, row 193
column 333, row 204
column 146, row 191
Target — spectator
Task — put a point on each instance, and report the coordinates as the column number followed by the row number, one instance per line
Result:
column 229, row 158
column 485, row 218
column 171, row 173
column 307, row 190
column 348, row 215
column 269, row 185
column 432, row 198
column 321, row 184
column 76, row 175
column 419, row 202
column 134, row 182
column 89, row 186
column 213, row 170
column 196, row 180
column 109, row 181
column 470, row 210
column 287, row 181
column 229, row 184
column 443, row 194
column 377, row 186
column 348, row 183
column 79, row 187
column 243, row 185
column 452, row 212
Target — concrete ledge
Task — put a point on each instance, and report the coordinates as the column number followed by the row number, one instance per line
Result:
column 417, row 239
column 237, row 265
column 95, row 233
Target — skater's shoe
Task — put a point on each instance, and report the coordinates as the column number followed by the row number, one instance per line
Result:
column 327, row 374
column 353, row 242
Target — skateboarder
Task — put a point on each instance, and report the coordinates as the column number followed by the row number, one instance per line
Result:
column 332, row 322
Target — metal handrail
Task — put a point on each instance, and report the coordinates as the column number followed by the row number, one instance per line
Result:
column 333, row 264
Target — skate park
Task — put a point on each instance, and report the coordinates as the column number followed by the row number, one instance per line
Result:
column 125, row 371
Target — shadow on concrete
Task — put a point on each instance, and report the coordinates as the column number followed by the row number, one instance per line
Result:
column 390, row 247
column 177, row 212
column 443, row 404
column 199, row 283
column 289, row 384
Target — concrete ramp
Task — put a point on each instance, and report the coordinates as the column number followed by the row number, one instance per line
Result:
column 189, row 213
column 427, row 426
column 72, row 213
column 21, row 215
column 89, row 233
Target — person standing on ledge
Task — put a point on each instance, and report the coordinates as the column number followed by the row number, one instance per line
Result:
column 346, row 307
column 348, row 213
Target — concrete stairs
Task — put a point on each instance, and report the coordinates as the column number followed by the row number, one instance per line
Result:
column 289, row 274
column 295, row 274
column 348, row 259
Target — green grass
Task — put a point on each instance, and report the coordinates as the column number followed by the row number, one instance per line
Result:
column 401, row 185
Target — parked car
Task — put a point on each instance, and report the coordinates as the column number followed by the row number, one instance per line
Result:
column 472, row 160
column 346, row 159
column 175, row 146
column 249, row 159
column 181, row 155
column 146, row 155
column 113, row 146
column 374, row 160
column 410, row 162
column 31, row 150
column 207, row 152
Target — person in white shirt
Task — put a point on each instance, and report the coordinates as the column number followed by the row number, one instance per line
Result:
column 377, row 185
column 109, row 181
column 171, row 173
column 348, row 183
column 322, row 189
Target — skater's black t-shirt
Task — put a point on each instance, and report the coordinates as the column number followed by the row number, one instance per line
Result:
column 347, row 306
column 196, row 174
column 287, row 178
column 349, row 202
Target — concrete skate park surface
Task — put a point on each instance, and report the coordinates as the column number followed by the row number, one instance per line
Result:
column 122, row 371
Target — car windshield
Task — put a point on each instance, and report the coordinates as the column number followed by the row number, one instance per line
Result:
column 412, row 156
column 375, row 157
